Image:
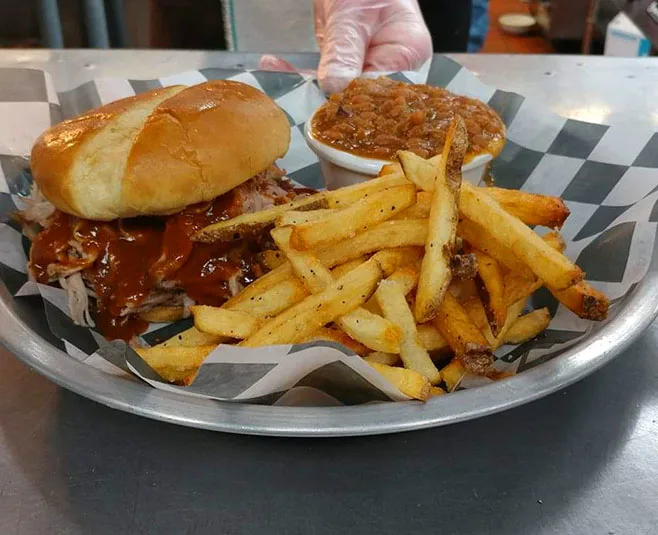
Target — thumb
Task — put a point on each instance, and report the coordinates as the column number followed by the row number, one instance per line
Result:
column 343, row 50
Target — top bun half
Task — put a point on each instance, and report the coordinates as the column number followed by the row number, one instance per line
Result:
column 158, row 152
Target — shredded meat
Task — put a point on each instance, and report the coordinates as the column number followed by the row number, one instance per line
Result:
column 78, row 295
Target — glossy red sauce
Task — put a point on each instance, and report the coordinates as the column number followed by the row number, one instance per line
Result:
column 125, row 260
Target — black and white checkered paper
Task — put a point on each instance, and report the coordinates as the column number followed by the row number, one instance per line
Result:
column 608, row 176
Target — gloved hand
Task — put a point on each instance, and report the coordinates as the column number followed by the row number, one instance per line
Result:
column 364, row 35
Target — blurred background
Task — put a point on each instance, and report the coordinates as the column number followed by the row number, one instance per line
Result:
column 613, row 27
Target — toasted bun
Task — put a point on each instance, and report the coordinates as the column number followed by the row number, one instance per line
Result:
column 158, row 152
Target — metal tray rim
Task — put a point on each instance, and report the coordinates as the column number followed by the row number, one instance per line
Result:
column 639, row 310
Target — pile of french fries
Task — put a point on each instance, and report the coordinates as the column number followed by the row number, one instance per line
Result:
column 420, row 273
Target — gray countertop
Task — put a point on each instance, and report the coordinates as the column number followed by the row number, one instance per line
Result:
column 582, row 461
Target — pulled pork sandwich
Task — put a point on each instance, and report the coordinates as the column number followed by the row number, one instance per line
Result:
column 120, row 189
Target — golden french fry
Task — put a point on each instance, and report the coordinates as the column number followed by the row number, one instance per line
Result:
column 406, row 278
column 584, row 301
column 409, row 382
column 163, row 314
column 387, row 234
column 367, row 328
column 260, row 286
column 464, row 266
column 390, row 359
column 390, row 169
column 340, row 270
column 177, row 364
column 528, row 326
column 418, row 170
column 414, row 356
column 436, row 391
column 431, row 338
column 485, row 241
column 493, row 291
column 342, row 197
column 452, row 374
column 338, row 336
column 475, row 309
column 357, row 217
column 336, row 300
column 224, row 322
column 513, row 313
column 295, row 217
column 532, row 209
column 271, row 259
column 271, row 301
column 545, row 262
column 463, row 336
column 420, row 210
column 191, row 337
column 252, row 223
column 435, row 272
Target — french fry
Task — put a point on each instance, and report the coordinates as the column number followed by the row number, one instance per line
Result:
column 453, row 374
column 348, row 266
column 475, row 309
column 359, row 216
column 420, row 210
column 584, row 301
column 545, row 262
column 390, row 359
column 436, row 391
column 528, row 326
column 367, row 328
column 177, row 364
column 315, row 311
column 485, row 241
column 406, row 278
column 338, row 336
column 414, row 356
column 295, row 217
column 163, row 314
column 342, row 197
column 191, row 337
column 390, row 169
column 409, row 382
column 417, row 169
column 492, row 291
column 259, row 286
column 513, row 313
column 271, row 259
column 271, row 301
column 252, row 223
column 224, row 322
column 387, row 234
column 431, row 338
column 532, row 209
column 435, row 272
column 463, row 336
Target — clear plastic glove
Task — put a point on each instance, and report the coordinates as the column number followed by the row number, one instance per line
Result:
column 368, row 35
column 364, row 35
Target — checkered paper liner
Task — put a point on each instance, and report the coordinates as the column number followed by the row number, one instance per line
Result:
column 608, row 177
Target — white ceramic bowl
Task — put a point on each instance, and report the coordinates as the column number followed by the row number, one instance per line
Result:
column 340, row 168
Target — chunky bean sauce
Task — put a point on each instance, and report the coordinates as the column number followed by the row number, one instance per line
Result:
column 377, row 117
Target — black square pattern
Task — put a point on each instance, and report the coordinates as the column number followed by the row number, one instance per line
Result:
column 600, row 220
column 142, row 86
column 309, row 176
column 648, row 157
column 605, row 258
column 593, row 182
column 17, row 174
column 79, row 100
column 514, row 165
column 279, row 85
column 577, row 139
column 442, row 71
column 506, row 104
column 22, row 85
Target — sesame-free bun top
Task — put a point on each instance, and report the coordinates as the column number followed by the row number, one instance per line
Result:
column 158, row 152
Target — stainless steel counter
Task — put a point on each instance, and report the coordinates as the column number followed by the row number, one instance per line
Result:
column 582, row 461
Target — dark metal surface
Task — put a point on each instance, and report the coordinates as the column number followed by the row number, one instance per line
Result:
column 581, row 461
